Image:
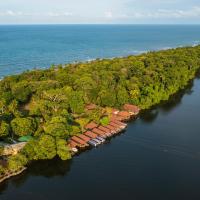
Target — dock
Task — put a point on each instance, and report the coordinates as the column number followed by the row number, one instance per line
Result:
column 96, row 134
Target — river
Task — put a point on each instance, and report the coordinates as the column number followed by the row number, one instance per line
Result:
column 157, row 158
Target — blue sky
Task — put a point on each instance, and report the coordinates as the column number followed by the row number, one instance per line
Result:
column 99, row 11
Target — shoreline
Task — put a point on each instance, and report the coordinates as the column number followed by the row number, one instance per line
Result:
column 12, row 174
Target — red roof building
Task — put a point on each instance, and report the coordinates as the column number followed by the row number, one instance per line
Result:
column 84, row 137
column 78, row 140
column 90, row 134
column 98, row 132
column 73, row 144
column 125, row 115
column 91, row 125
column 131, row 108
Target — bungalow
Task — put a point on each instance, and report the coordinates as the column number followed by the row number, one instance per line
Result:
column 78, row 140
column 91, row 125
column 116, row 126
column 90, row 134
column 99, row 132
column 107, row 131
column 116, row 117
column 113, row 129
column 123, row 125
column 134, row 110
column 84, row 137
column 73, row 144
column 125, row 115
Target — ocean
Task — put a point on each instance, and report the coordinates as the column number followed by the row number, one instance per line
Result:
column 24, row 47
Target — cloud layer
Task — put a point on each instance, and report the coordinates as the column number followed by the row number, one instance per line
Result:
column 104, row 11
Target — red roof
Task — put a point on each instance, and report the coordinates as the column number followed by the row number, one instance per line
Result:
column 115, row 111
column 98, row 131
column 115, row 125
column 111, row 127
column 106, row 130
column 116, row 117
column 76, row 139
column 124, row 114
column 118, row 122
column 73, row 144
column 131, row 108
column 90, row 134
column 91, row 125
column 84, row 137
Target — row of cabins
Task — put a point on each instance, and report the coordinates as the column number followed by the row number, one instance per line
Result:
column 96, row 134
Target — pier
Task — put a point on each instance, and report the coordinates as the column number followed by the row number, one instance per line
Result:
column 96, row 134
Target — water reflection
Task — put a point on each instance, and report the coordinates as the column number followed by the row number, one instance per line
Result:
column 48, row 169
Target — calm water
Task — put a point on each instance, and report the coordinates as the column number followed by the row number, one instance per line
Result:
column 157, row 158
column 26, row 47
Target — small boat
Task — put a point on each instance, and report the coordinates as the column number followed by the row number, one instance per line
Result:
column 101, row 139
column 92, row 143
column 97, row 141
column 75, row 150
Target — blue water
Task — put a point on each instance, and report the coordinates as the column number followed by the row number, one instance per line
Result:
column 39, row 46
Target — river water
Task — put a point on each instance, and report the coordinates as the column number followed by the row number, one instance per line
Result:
column 157, row 158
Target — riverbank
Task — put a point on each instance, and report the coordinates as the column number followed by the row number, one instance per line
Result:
column 11, row 174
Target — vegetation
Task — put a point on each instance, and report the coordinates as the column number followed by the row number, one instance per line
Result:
column 50, row 104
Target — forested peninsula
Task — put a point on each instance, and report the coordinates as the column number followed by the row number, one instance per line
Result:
column 45, row 109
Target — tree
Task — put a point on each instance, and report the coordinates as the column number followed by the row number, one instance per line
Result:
column 4, row 129
column 16, row 162
column 82, row 122
column 1, row 150
column 23, row 126
column 104, row 121
column 45, row 148
column 122, row 96
column 76, row 102
column 21, row 91
column 63, row 150
column 57, row 127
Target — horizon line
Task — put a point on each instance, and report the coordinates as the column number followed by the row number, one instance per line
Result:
column 123, row 24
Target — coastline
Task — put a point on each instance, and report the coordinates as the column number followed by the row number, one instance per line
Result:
column 11, row 174
column 95, row 133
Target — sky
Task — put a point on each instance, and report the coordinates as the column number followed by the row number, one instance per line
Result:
column 99, row 11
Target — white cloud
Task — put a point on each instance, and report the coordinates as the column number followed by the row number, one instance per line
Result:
column 12, row 13
column 194, row 12
column 59, row 14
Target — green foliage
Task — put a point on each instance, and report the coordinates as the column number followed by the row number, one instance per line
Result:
column 76, row 102
column 45, row 148
column 1, row 150
column 57, row 127
column 23, row 126
column 4, row 129
column 63, row 150
column 2, row 170
column 105, row 121
column 16, row 162
column 21, row 91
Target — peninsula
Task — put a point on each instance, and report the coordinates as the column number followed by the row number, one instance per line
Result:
column 60, row 110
